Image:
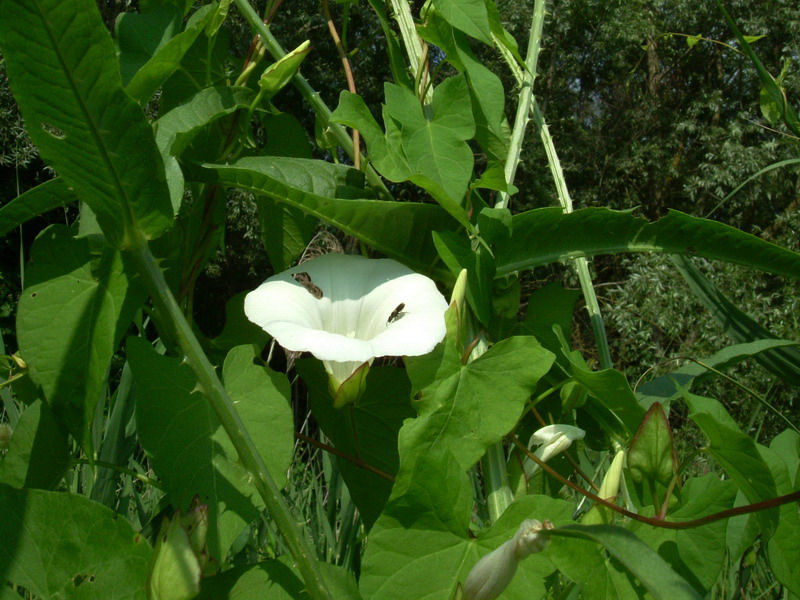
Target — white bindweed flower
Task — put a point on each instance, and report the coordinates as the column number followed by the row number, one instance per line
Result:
column 492, row 574
column 348, row 310
column 552, row 440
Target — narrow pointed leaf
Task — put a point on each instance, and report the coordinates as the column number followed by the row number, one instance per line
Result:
column 36, row 201
column 331, row 193
column 642, row 562
column 167, row 58
column 737, row 454
column 783, row 362
column 545, row 235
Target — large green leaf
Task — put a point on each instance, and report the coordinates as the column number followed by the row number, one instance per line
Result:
column 643, row 563
column 44, row 197
column 784, row 362
column 77, row 305
column 696, row 554
column 486, row 90
column 367, row 430
column 60, row 545
column 38, row 455
column 330, row 192
column 737, row 454
column 469, row 16
column 545, row 235
column 167, row 57
column 465, row 408
column 670, row 386
column 79, row 117
column 189, row 449
column 435, row 143
column 421, row 546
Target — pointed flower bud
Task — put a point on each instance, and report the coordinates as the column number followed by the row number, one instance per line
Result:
column 492, row 574
column 610, row 486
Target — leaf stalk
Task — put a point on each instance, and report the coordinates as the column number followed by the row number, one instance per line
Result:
column 223, row 406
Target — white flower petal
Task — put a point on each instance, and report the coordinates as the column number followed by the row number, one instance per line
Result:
column 368, row 308
column 550, row 432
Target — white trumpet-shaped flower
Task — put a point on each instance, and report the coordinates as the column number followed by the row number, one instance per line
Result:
column 348, row 310
column 552, row 440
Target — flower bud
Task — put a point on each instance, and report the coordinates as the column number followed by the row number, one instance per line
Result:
column 180, row 556
column 175, row 571
column 492, row 574
column 610, row 486
column 552, row 440
column 602, row 515
column 349, row 390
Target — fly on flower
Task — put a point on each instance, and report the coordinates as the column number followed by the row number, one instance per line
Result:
column 348, row 310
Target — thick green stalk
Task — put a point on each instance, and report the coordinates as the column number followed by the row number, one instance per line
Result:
column 525, row 98
column 172, row 318
column 412, row 43
column 498, row 490
column 310, row 94
column 495, row 473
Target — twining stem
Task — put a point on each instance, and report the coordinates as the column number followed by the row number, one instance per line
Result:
column 581, row 264
column 654, row 521
column 173, row 318
column 310, row 94
column 351, row 459
column 348, row 72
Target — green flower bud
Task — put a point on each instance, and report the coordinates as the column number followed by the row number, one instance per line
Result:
column 175, row 570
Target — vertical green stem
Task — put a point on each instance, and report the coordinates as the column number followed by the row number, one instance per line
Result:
column 173, row 318
column 412, row 43
column 526, row 105
column 498, row 490
column 525, row 98
column 310, row 94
